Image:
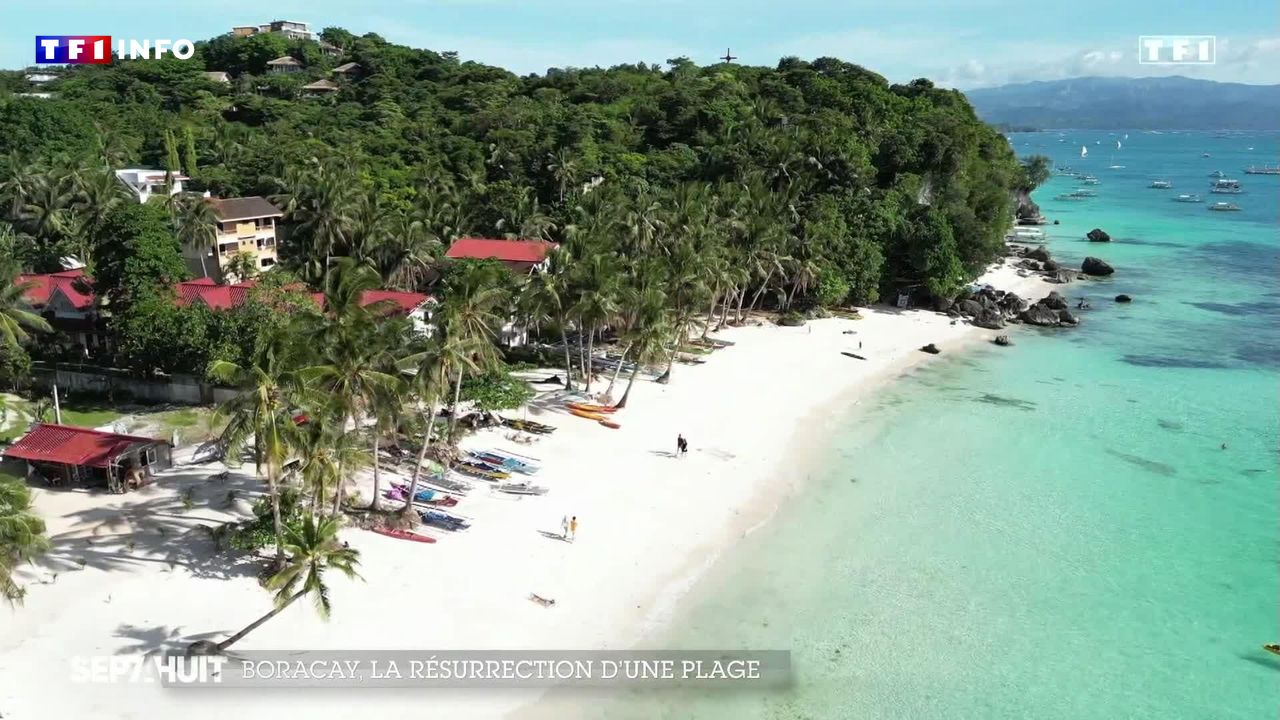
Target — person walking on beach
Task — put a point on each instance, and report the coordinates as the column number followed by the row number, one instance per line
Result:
column 684, row 446
column 564, row 527
column 573, row 528
column 680, row 444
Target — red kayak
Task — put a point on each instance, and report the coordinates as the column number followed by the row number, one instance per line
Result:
column 404, row 535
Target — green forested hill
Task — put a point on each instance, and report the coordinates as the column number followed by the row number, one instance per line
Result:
column 810, row 178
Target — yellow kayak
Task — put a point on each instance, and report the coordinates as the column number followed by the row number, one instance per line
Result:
column 586, row 414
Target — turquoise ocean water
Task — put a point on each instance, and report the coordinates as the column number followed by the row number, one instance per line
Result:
column 1050, row 530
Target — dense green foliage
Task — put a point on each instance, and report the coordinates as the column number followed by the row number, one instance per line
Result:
column 804, row 166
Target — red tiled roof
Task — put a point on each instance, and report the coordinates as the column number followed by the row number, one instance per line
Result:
column 69, row 445
column 518, row 251
column 396, row 301
column 68, row 281
column 222, row 297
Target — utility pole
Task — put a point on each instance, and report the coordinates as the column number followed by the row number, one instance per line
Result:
column 57, row 408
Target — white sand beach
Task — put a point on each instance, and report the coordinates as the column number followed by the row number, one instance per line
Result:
column 133, row 573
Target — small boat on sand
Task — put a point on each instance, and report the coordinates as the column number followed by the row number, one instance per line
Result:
column 586, row 414
column 609, row 424
column 591, row 408
column 523, row 488
column 855, row 356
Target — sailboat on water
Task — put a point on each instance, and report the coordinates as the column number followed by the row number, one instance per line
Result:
column 1084, row 151
column 1113, row 166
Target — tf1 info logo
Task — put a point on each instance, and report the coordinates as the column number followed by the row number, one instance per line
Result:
column 1177, row 49
column 96, row 49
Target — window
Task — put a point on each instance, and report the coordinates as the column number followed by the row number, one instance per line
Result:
column 150, row 457
column 268, row 262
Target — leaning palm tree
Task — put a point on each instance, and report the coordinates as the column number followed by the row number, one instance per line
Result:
column 21, row 536
column 648, row 339
column 314, row 549
column 596, row 305
column 471, row 310
column 16, row 316
column 429, row 373
column 262, row 412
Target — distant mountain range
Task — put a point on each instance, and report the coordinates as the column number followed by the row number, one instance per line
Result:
column 1153, row 103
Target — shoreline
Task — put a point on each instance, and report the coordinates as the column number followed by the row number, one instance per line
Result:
column 652, row 526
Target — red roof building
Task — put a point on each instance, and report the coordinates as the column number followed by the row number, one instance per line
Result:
column 73, row 285
column 523, row 256
column 62, row 453
column 223, row 297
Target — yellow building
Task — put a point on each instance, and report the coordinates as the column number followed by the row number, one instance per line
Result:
column 246, row 226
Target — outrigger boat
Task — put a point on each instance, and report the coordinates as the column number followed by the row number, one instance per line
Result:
column 1188, row 199
column 481, row 470
column 1273, row 648
column 435, row 518
column 528, row 426
column 1224, row 207
column 609, row 424
column 522, row 488
column 504, row 462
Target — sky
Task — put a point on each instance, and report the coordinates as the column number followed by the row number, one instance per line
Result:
column 955, row 43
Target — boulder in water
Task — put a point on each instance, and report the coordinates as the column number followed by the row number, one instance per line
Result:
column 1051, row 266
column 1098, row 235
column 931, row 349
column 1040, row 315
column 1066, row 318
column 1054, row 301
column 1123, row 299
column 1003, row 340
column 1096, row 266
column 1038, row 253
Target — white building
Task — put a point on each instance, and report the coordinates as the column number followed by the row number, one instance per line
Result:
column 145, row 182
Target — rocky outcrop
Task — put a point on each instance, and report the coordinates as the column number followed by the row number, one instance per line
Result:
column 1098, row 235
column 1003, row 341
column 1054, row 301
column 931, row 349
column 1096, row 266
column 1050, row 266
column 1123, row 298
column 1039, row 315
column 1038, row 253
column 989, row 319
column 1066, row 318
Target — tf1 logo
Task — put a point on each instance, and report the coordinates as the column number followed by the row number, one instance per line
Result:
column 1177, row 49
column 97, row 49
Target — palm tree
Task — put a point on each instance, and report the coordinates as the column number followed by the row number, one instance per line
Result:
column 15, row 314
column 565, row 169
column 475, row 295
column 98, row 193
column 429, row 372
column 314, row 550
column 263, row 412
column 328, row 451
column 354, row 366
column 596, row 305
column 543, row 300
column 648, row 338
column 197, row 227
column 21, row 536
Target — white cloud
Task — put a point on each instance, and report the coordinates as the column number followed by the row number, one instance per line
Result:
column 1241, row 60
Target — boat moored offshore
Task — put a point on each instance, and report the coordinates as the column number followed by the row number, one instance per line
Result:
column 1160, row 184
column 1224, row 207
